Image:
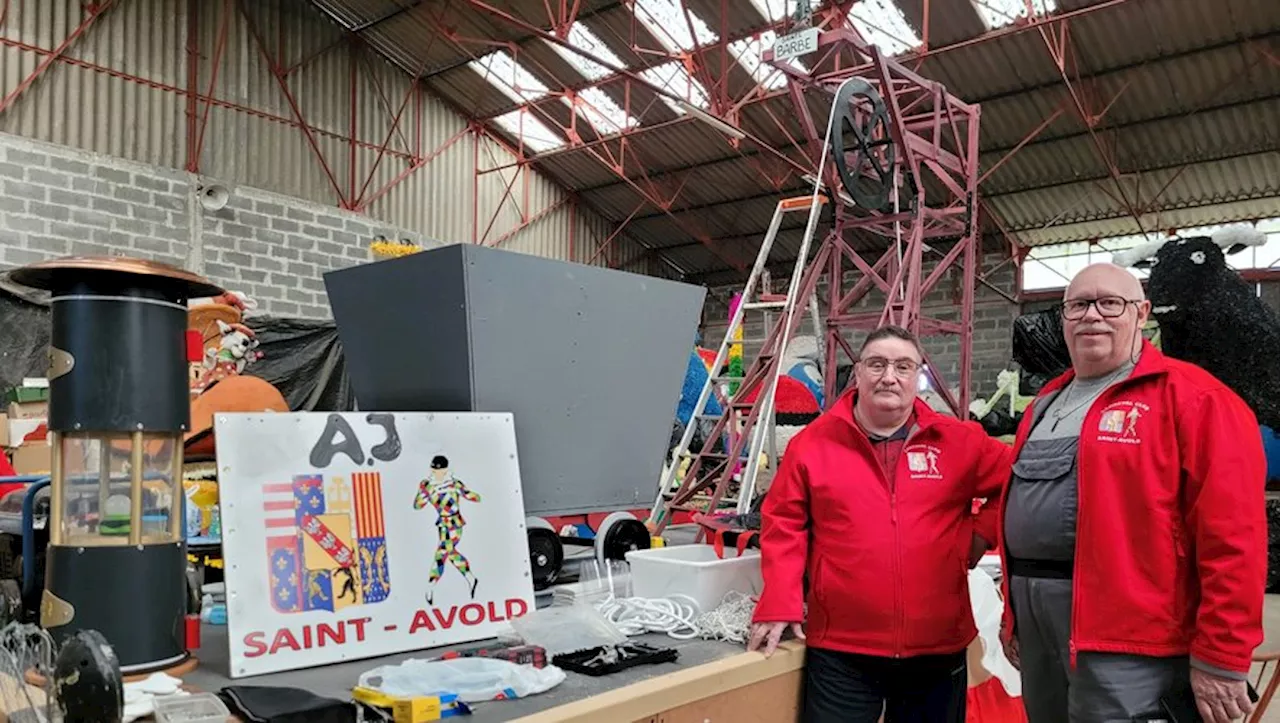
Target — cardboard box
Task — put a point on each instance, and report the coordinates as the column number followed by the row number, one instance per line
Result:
column 29, row 410
column 4, row 430
column 33, row 458
column 18, row 429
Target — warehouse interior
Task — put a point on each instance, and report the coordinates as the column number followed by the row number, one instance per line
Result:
column 366, row 189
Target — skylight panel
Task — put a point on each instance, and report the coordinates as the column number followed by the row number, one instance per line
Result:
column 999, row 13
column 500, row 69
column 883, row 25
column 532, row 133
column 666, row 20
column 598, row 109
column 750, row 53
column 673, row 78
column 773, row 10
column 580, row 36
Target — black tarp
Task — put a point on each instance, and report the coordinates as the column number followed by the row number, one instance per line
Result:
column 1038, row 345
column 301, row 358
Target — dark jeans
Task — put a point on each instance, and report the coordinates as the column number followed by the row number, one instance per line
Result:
column 849, row 688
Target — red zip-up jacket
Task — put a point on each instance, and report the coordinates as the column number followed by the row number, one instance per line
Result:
column 887, row 556
column 1171, row 536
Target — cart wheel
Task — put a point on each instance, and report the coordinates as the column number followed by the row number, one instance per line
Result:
column 546, row 552
column 619, row 534
column 10, row 602
column 86, row 679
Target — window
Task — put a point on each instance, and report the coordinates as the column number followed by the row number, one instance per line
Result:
column 673, row 78
column 882, row 24
column 666, row 19
column 1049, row 268
column 580, row 36
column 999, row 13
column 506, row 75
column 598, row 109
column 528, row 130
column 773, row 10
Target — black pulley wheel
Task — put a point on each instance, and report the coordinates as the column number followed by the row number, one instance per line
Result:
column 867, row 136
column 86, row 680
column 546, row 555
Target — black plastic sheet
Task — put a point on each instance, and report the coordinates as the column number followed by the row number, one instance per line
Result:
column 24, row 338
column 304, row 360
column 1038, row 345
column 301, row 358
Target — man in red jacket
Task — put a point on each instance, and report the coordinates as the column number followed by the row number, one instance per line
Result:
column 873, row 502
column 1134, row 526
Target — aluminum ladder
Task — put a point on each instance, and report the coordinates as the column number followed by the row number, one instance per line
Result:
column 742, row 425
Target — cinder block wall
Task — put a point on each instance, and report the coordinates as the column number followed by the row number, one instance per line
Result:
column 56, row 201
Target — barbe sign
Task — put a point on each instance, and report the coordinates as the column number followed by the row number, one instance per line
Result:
column 796, row 44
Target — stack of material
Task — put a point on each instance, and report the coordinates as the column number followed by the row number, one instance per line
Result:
column 22, row 428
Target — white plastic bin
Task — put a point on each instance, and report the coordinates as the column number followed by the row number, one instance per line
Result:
column 694, row 570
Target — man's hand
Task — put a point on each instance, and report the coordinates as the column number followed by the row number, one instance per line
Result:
column 978, row 547
column 1011, row 652
column 770, row 634
column 1220, row 700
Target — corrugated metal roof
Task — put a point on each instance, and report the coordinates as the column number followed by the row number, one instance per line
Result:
column 1195, row 112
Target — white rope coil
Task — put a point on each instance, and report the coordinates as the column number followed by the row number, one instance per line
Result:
column 673, row 615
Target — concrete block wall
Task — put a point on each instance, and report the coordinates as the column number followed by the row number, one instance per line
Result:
column 56, row 201
column 993, row 317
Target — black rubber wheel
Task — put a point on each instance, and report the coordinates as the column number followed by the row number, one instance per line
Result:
column 546, row 555
column 10, row 557
column 623, row 536
column 87, row 681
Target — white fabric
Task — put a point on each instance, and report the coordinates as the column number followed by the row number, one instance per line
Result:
column 988, row 609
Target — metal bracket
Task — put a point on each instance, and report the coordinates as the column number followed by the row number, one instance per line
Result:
column 60, row 362
column 54, row 611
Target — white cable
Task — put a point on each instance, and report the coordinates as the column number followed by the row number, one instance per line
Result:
column 673, row 615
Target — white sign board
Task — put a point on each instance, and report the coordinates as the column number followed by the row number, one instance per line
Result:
column 356, row 535
column 796, row 44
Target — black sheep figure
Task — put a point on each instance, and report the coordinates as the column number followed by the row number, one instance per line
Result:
column 1211, row 317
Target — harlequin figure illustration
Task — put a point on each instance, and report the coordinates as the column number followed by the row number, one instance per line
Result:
column 445, row 493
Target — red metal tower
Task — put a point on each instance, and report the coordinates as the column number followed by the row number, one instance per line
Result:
column 905, row 164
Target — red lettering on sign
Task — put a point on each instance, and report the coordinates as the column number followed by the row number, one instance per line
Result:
column 337, row 635
column 253, row 641
column 516, row 607
column 313, row 636
column 284, row 638
column 421, row 620
column 476, row 619
column 470, row 615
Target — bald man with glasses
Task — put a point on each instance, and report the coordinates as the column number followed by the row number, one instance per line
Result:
column 1133, row 527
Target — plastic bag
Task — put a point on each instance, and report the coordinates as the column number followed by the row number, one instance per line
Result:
column 1038, row 344
column 569, row 628
column 472, row 680
column 988, row 609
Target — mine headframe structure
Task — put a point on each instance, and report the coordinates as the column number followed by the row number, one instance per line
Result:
column 902, row 156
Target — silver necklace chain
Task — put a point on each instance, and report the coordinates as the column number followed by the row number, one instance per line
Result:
column 1059, row 414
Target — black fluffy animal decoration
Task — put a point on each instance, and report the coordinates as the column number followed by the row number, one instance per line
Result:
column 1211, row 317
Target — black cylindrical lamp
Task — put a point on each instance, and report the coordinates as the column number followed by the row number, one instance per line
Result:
column 118, row 409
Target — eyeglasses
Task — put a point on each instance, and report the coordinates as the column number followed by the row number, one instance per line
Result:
column 1108, row 307
column 902, row 367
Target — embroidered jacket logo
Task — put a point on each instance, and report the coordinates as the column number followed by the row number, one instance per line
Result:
column 1120, row 422
column 922, row 462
